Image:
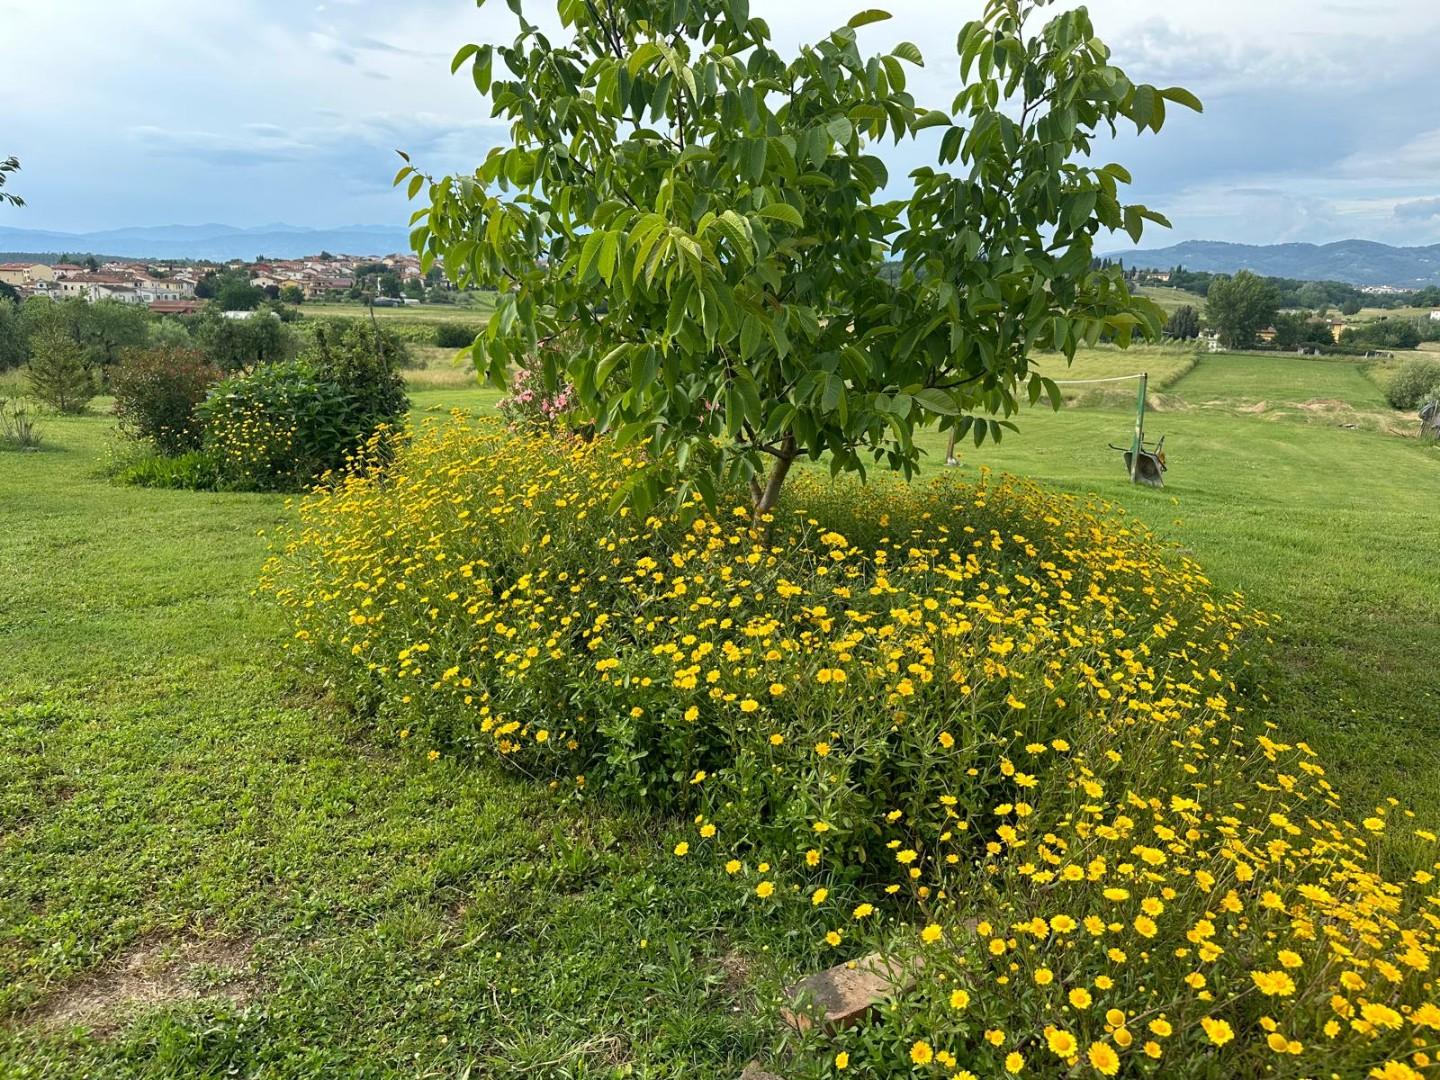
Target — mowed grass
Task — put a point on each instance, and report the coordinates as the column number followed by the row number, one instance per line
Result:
column 165, row 782
column 476, row 307
column 167, row 786
column 437, row 367
column 1164, row 364
column 1248, row 379
column 1330, row 527
column 1172, row 299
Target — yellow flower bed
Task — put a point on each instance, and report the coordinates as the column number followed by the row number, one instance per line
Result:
column 894, row 711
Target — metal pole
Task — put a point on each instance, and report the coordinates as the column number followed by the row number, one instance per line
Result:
column 1139, row 444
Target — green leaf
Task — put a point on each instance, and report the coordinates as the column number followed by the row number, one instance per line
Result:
column 732, row 225
column 752, row 332
column 609, row 363
column 1134, row 223
column 865, row 18
column 484, row 57
column 937, row 401
column 1119, row 172
column 608, row 248
column 630, row 432
column 933, row 118
column 907, row 50
column 1143, row 107
column 782, row 211
column 642, row 56
column 466, row 51
column 840, row 129
column 588, row 252
column 1181, row 96
column 895, row 72
column 755, row 161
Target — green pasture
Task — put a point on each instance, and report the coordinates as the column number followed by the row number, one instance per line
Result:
column 474, row 307
column 1171, row 299
column 180, row 810
column 1325, row 522
column 1293, row 380
column 168, row 791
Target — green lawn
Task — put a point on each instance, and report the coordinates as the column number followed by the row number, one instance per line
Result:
column 1333, row 528
column 1247, row 379
column 182, row 816
column 167, row 787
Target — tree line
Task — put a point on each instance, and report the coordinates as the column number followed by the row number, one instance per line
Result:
column 1309, row 295
column 1239, row 307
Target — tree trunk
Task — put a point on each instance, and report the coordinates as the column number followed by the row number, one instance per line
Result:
column 766, row 497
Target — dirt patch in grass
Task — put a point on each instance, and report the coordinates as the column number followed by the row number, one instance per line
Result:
column 1329, row 411
column 157, row 972
column 735, row 970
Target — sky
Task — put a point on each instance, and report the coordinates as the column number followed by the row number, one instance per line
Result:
column 1320, row 122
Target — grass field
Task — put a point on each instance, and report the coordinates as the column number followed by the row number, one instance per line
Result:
column 208, row 869
column 437, row 367
column 478, row 307
column 1331, row 527
column 1170, row 299
column 171, row 801
column 1282, row 379
column 1366, row 313
column 1165, row 365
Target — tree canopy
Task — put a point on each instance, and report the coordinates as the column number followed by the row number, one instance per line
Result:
column 706, row 221
column 1183, row 324
column 243, row 344
column 235, row 292
column 99, row 330
column 1239, row 307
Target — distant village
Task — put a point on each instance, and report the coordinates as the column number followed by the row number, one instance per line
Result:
column 181, row 287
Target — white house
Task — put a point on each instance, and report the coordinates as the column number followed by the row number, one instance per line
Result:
column 92, row 286
column 125, row 294
column 159, row 289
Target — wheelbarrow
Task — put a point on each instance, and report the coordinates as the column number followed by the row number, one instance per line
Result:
column 1146, row 465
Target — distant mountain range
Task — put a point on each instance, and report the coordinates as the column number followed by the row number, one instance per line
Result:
column 218, row 242
column 1356, row 262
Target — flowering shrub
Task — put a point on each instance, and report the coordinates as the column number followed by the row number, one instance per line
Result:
column 530, row 405
column 284, row 425
column 982, row 723
column 157, row 392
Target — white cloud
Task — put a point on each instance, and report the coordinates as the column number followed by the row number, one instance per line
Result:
column 256, row 110
column 1418, row 209
column 1417, row 158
